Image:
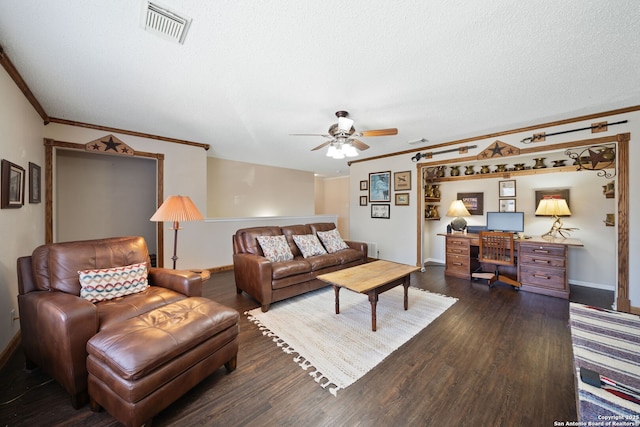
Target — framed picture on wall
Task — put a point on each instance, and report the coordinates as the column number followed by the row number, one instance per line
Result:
column 12, row 185
column 507, row 188
column 507, row 205
column 474, row 202
column 402, row 181
column 380, row 187
column 34, row 183
column 402, row 199
column 363, row 185
column 380, row 211
column 363, row 200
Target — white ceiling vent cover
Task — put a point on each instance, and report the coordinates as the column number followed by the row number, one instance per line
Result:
column 164, row 22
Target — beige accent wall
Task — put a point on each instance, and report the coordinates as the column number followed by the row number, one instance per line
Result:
column 239, row 190
column 332, row 198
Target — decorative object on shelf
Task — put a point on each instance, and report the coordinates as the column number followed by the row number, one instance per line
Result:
column 555, row 208
column 441, row 171
column 455, row 170
column 429, row 174
column 469, row 170
column 498, row 149
column 402, row 181
column 558, row 163
column 474, row 202
column 485, row 169
column 610, row 220
column 177, row 209
column 379, row 187
column 380, row 211
column 363, row 200
column 431, row 212
column 402, row 199
column 609, row 190
column 436, row 191
column 518, row 166
column 501, row 168
column 35, row 183
column 363, row 185
column 596, row 158
column 458, row 210
column 507, row 205
column 596, row 127
column 12, row 185
column 507, row 188
column 539, row 163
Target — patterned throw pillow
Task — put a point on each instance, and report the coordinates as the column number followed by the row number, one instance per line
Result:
column 110, row 283
column 309, row 245
column 332, row 241
column 275, row 248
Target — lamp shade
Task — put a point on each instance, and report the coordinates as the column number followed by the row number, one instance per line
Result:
column 553, row 207
column 457, row 208
column 177, row 209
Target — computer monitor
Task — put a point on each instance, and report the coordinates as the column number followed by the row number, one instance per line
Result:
column 505, row 221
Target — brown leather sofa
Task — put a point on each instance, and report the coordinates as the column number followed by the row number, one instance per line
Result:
column 57, row 324
column 268, row 282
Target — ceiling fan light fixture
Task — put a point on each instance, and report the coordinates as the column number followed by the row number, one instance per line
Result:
column 332, row 151
column 349, row 150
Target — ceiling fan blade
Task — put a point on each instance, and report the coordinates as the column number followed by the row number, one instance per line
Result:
column 379, row 132
column 310, row 134
column 359, row 144
column 321, row 145
column 344, row 124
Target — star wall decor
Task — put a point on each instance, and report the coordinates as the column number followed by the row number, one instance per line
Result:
column 498, row 149
column 109, row 144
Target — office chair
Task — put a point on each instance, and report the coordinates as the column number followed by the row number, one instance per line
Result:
column 495, row 248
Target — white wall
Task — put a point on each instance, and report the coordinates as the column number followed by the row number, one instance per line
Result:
column 21, row 230
column 396, row 237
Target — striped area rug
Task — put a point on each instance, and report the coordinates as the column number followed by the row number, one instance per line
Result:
column 607, row 342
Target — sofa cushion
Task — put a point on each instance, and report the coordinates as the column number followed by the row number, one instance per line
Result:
column 109, row 283
column 280, row 270
column 309, row 245
column 332, row 240
column 275, row 248
column 348, row 255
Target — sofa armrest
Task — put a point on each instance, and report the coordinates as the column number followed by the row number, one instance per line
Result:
column 253, row 275
column 183, row 281
column 55, row 327
column 360, row 246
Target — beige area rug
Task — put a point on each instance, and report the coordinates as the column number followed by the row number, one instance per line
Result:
column 338, row 349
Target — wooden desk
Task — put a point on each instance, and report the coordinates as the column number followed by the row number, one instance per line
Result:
column 541, row 263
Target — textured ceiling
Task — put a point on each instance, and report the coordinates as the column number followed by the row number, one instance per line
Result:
column 252, row 72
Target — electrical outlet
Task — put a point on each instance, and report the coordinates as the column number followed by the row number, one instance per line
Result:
column 13, row 316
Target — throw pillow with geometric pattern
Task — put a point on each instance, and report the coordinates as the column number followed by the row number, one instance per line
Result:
column 109, row 283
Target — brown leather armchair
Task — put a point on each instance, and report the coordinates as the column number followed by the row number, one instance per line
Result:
column 56, row 322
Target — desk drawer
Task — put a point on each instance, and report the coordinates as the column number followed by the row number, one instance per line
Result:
column 543, row 277
column 459, row 246
column 540, row 249
column 541, row 260
column 457, row 265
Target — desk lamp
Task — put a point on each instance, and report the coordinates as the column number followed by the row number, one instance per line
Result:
column 554, row 207
column 177, row 209
column 457, row 209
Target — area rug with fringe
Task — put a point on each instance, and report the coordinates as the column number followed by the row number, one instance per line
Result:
column 338, row 349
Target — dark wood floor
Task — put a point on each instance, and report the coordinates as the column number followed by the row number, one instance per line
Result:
column 496, row 358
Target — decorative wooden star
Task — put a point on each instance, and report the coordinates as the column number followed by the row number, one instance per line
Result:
column 498, row 149
column 109, row 144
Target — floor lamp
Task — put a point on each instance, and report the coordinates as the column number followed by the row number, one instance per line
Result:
column 177, row 209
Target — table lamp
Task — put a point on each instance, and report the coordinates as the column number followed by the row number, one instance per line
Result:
column 555, row 207
column 177, row 209
column 457, row 209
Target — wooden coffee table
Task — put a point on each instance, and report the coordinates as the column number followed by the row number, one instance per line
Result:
column 372, row 278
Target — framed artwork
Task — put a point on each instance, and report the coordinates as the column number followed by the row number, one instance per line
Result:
column 402, row 199
column 12, row 185
column 363, row 185
column 507, row 205
column 380, row 211
column 34, row 183
column 379, row 187
column 562, row 193
column 507, row 188
column 474, row 202
column 363, row 200
column 402, row 181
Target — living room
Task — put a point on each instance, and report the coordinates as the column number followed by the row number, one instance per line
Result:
column 403, row 237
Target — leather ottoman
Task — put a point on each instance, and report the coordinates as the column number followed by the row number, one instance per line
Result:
column 144, row 364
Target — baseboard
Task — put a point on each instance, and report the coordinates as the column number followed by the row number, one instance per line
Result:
column 13, row 346
column 602, row 286
column 220, row 269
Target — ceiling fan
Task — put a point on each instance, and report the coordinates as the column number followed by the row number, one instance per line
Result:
column 342, row 137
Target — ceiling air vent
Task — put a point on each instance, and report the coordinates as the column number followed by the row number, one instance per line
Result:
column 164, row 22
